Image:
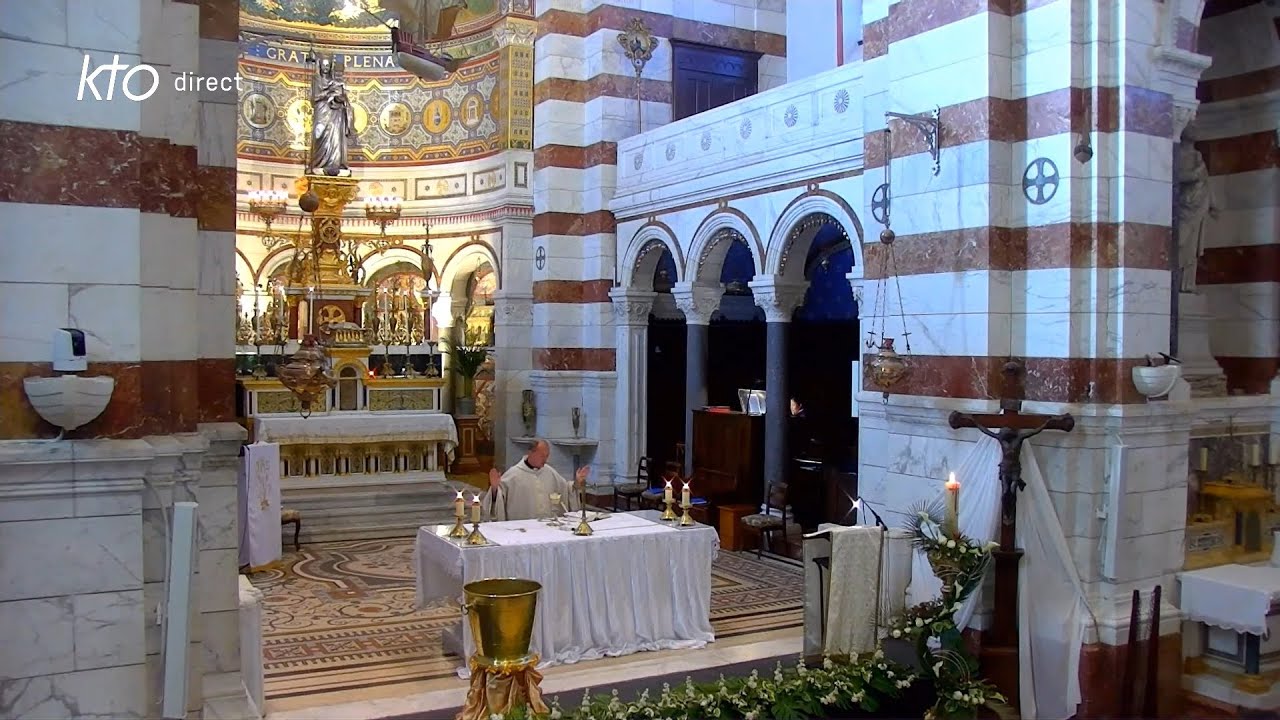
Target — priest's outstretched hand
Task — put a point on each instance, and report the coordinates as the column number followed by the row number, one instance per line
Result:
column 580, row 477
column 495, row 478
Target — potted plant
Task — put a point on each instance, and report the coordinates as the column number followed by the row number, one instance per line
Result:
column 467, row 362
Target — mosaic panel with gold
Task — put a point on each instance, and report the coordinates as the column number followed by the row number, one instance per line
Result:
column 399, row 118
column 343, row 20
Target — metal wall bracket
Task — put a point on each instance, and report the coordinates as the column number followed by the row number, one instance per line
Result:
column 931, row 126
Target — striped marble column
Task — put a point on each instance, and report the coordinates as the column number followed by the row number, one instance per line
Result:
column 117, row 215
column 586, row 99
column 1236, row 129
column 1045, row 235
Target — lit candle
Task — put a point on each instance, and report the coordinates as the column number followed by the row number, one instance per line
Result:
column 1204, row 460
column 686, row 497
column 457, row 506
column 953, row 503
column 1255, row 455
column 475, row 508
column 668, row 494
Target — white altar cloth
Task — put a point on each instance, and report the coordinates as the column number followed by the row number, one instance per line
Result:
column 636, row 584
column 1233, row 597
column 347, row 427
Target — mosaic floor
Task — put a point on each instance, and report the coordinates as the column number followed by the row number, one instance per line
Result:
column 340, row 615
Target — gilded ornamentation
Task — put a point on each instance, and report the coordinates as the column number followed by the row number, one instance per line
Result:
column 307, row 375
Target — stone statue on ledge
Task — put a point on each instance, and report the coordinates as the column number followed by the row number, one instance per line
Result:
column 333, row 123
column 1195, row 206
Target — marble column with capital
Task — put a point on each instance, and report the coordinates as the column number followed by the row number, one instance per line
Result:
column 442, row 311
column 698, row 303
column 631, row 322
column 779, row 301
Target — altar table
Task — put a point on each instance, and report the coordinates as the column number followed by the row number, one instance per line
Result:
column 1242, row 601
column 636, row 584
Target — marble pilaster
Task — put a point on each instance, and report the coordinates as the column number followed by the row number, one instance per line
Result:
column 513, row 326
column 631, row 322
column 698, row 303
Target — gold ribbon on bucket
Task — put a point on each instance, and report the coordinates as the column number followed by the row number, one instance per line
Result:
column 504, row 673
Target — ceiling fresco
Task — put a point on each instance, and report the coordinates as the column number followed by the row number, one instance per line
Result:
column 400, row 119
column 348, row 16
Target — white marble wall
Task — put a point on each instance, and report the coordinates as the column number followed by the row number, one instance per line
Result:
column 82, row 566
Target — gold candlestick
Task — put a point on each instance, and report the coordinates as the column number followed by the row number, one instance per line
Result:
column 459, row 528
column 686, row 519
column 584, row 527
column 670, row 514
column 476, row 538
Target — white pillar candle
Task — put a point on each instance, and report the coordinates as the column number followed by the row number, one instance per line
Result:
column 668, row 493
column 457, row 506
column 475, row 508
column 1255, row 454
column 686, row 497
column 1204, row 460
column 953, row 504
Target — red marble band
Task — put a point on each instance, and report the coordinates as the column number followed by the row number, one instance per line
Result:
column 579, row 359
column 153, row 397
column 1146, row 112
column 1250, row 375
column 1240, row 264
column 1041, row 247
column 88, row 167
column 610, row 17
column 1047, row 379
column 618, row 86
column 909, row 18
column 1242, row 153
column 577, row 224
column 580, row 158
column 572, row 291
column 1232, row 87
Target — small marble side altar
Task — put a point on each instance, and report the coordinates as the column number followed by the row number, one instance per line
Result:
column 1238, row 610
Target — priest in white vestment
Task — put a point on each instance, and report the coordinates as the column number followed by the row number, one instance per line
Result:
column 524, row 492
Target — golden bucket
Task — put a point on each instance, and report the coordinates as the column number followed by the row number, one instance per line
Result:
column 500, row 612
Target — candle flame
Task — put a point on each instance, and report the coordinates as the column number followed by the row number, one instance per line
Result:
column 475, row 498
column 952, row 484
column 459, row 494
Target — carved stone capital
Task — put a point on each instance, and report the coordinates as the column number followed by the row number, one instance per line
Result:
column 1184, row 111
column 632, row 307
column 512, row 308
column 779, row 300
column 697, row 302
column 515, row 31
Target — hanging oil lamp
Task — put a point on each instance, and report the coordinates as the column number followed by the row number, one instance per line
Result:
column 886, row 369
column 307, row 374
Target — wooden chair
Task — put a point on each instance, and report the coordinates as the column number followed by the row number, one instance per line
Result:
column 766, row 523
column 652, row 496
column 632, row 491
column 294, row 518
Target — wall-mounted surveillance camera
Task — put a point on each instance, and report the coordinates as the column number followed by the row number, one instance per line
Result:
column 1083, row 152
column 69, row 353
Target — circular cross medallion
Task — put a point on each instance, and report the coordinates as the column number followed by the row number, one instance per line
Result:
column 540, row 257
column 1040, row 181
column 880, row 204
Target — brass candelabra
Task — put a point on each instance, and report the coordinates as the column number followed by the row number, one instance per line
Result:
column 476, row 538
column 584, row 527
column 459, row 530
column 669, row 514
column 686, row 519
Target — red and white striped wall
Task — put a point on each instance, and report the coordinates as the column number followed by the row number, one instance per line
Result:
column 118, row 214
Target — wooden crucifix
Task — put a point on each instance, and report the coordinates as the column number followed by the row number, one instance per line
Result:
column 999, row 656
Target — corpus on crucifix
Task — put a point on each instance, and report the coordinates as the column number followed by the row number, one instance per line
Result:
column 1010, row 428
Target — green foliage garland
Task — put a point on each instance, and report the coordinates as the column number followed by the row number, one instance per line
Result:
column 960, row 563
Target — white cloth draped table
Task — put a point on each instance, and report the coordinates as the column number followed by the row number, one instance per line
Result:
column 636, row 584
column 1232, row 597
column 259, row 505
column 353, row 427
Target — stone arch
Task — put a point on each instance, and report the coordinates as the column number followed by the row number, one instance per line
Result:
column 798, row 224
column 643, row 253
column 709, row 246
column 374, row 262
column 245, row 272
column 456, row 267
